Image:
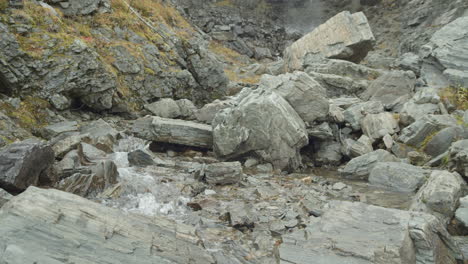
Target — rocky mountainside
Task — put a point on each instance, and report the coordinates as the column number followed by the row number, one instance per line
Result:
column 234, row 131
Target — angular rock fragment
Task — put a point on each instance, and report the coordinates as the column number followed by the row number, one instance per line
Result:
column 174, row 131
column 223, row 173
column 301, row 91
column 458, row 154
column 360, row 167
column 376, row 126
column 166, row 107
column 345, row 36
column 22, row 163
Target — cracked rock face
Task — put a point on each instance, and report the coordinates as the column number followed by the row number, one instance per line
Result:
column 262, row 122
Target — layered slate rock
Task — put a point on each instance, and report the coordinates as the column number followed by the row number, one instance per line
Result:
column 447, row 55
column 344, row 36
column 302, row 92
column 360, row 167
column 397, row 176
column 357, row 233
column 261, row 122
column 440, row 194
column 392, row 89
column 22, row 163
column 223, row 173
column 80, row 231
column 418, row 132
column 174, row 131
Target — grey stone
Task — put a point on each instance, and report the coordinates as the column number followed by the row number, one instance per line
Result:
column 62, row 216
column 322, row 131
column 301, row 91
column 352, row 43
column 409, row 62
column 124, row 61
column 417, row 133
column 392, row 89
column 207, row 113
column 250, row 163
column 376, row 126
column 345, row 102
column 409, row 237
column 264, row 168
column 91, row 153
column 4, row 197
column 360, row 167
column 355, row 113
column 458, row 155
column 56, row 129
column 65, row 145
column 187, row 108
column 139, row 158
column 388, row 141
column 262, row 122
column 329, row 153
column 166, row 108
column 397, row 176
column 60, row 102
column 358, row 148
column 412, row 111
column 100, row 134
column 448, row 48
column 441, row 141
column 461, row 214
column 440, row 194
column 223, row 173
column 85, row 7
column 174, row 131
column 340, row 77
column 23, row 162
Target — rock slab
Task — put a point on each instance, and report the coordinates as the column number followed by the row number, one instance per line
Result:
column 345, row 36
column 80, row 231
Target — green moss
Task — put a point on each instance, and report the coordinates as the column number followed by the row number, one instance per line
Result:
column 3, row 5
column 31, row 113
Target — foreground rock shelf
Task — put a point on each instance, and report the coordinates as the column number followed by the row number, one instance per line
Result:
column 51, row 226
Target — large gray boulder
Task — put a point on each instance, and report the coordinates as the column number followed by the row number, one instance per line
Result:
column 82, row 231
column 440, row 194
column 22, row 163
column 419, row 132
column 344, row 36
column 261, row 122
column 173, row 131
column 301, row 91
column 360, row 167
column 392, row 89
column 397, row 176
column 357, row 233
column 447, row 52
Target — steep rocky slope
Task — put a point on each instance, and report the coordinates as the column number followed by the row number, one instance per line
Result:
column 233, row 131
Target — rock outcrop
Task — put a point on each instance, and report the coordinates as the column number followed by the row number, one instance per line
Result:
column 70, row 222
column 409, row 238
column 345, row 36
